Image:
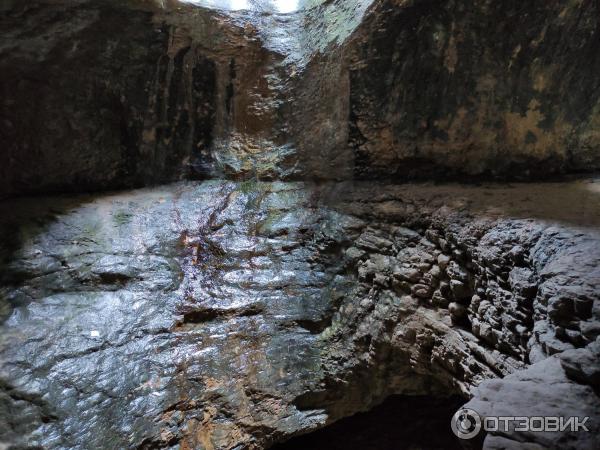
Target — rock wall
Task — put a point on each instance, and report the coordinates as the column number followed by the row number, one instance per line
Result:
column 78, row 85
column 457, row 300
column 110, row 94
column 235, row 315
column 100, row 95
column 477, row 88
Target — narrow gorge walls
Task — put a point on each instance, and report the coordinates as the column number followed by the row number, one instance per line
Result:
column 284, row 275
column 107, row 94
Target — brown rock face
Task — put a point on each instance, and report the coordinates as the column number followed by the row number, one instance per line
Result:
column 496, row 88
column 229, row 315
column 108, row 94
column 111, row 94
column 79, row 85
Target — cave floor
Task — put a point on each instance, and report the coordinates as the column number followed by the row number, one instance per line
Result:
column 201, row 311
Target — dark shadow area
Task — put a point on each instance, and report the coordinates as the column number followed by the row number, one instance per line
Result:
column 401, row 422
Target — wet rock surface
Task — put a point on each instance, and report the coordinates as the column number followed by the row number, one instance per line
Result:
column 109, row 94
column 236, row 315
column 282, row 295
column 174, row 309
column 543, row 390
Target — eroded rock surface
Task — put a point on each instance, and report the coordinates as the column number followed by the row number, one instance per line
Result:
column 235, row 315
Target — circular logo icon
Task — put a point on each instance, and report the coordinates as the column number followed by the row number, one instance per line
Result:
column 466, row 423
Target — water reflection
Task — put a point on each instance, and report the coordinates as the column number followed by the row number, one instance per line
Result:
column 279, row 6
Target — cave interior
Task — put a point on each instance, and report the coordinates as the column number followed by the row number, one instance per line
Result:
column 299, row 224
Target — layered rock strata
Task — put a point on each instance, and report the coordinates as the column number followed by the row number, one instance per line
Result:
column 235, row 315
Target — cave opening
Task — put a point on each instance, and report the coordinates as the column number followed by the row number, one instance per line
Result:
column 400, row 422
column 274, row 6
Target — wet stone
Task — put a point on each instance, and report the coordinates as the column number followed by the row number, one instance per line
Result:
column 256, row 310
